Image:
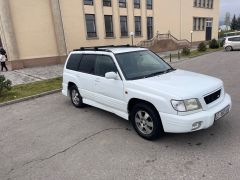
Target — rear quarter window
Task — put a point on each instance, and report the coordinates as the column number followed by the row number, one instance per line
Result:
column 74, row 61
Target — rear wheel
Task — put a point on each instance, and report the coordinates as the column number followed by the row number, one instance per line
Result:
column 146, row 121
column 228, row 48
column 76, row 97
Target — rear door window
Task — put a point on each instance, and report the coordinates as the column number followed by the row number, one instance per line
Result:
column 73, row 62
column 104, row 64
column 87, row 64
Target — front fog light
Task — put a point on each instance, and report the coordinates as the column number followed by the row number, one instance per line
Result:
column 196, row 125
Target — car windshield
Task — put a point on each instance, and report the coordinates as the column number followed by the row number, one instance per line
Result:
column 141, row 64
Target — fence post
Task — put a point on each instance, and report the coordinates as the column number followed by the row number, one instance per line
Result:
column 170, row 57
column 178, row 55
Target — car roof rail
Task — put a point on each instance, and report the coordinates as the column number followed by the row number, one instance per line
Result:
column 103, row 48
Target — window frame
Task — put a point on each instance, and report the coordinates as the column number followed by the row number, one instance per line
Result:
column 151, row 28
column 124, row 34
column 122, row 3
column 138, row 33
column 149, row 6
column 137, row 5
column 194, row 23
column 88, row 32
column 89, row 4
column 107, row 3
column 106, row 31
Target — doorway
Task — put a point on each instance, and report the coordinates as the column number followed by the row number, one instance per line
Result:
column 208, row 29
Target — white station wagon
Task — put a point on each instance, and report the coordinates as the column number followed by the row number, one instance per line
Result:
column 137, row 85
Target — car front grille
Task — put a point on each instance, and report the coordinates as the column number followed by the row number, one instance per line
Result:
column 212, row 97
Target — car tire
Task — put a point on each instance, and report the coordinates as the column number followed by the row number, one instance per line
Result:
column 76, row 98
column 146, row 121
column 228, row 48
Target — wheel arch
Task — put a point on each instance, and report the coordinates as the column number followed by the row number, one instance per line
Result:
column 134, row 101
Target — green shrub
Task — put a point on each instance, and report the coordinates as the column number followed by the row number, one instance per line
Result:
column 4, row 84
column 213, row 44
column 186, row 51
column 202, row 47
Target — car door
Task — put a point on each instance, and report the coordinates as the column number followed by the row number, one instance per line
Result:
column 86, row 77
column 238, row 42
column 233, row 42
column 108, row 92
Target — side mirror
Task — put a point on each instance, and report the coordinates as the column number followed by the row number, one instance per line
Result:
column 111, row 75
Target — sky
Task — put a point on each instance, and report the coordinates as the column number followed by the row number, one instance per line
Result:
column 232, row 6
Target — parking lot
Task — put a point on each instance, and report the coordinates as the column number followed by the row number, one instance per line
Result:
column 47, row 138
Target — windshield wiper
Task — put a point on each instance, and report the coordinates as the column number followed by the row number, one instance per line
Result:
column 159, row 73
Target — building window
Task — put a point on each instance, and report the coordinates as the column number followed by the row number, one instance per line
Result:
column 208, row 2
column 88, row 2
column 194, row 24
column 211, row 4
column 108, row 26
column 91, row 25
column 149, row 4
column 199, row 24
column 138, row 27
column 107, row 3
column 123, row 25
column 122, row 3
column 137, row 4
column 203, row 24
column 204, row 3
column 195, row 3
column 149, row 27
column 199, row 3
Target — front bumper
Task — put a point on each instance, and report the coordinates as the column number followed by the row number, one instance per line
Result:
column 182, row 124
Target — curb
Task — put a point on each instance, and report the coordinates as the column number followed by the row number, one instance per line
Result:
column 29, row 97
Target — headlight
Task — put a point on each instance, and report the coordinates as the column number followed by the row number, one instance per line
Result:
column 186, row 105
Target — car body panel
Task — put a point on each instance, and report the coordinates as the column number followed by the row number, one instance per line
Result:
column 114, row 95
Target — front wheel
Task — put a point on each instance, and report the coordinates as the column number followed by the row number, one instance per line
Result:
column 76, row 97
column 146, row 121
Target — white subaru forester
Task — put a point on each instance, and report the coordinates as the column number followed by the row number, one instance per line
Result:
column 137, row 85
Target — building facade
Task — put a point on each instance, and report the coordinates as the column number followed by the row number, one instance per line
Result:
column 43, row 32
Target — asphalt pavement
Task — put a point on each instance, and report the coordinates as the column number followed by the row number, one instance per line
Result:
column 47, row 138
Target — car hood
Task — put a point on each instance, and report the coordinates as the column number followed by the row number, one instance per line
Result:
column 179, row 84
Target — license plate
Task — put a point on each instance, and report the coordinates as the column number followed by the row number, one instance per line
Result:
column 222, row 113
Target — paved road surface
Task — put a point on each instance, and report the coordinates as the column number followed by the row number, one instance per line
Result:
column 47, row 138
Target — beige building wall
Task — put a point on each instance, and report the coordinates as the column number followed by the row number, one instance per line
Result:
column 35, row 29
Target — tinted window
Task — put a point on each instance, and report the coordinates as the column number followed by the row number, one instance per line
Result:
column 234, row 39
column 104, row 64
column 73, row 61
column 87, row 64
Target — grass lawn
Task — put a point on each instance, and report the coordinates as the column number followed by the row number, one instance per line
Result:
column 25, row 90
column 196, row 53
